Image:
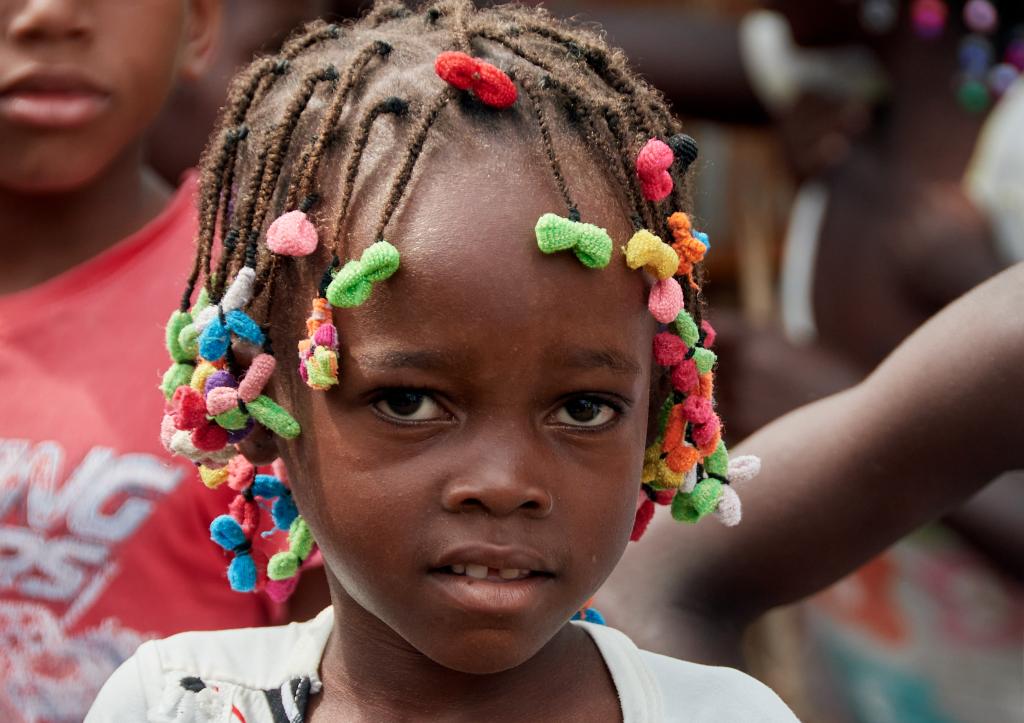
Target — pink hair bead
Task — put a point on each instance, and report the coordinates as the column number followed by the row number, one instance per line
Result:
column 652, row 164
column 167, row 430
column 684, row 376
column 704, row 433
column 666, row 300
column 220, row 400
column 292, row 235
column 326, row 335
column 241, row 473
column 709, row 334
column 669, row 349
column 697, row 409
column 256, row 377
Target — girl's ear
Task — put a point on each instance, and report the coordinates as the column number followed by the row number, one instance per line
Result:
column 260, row 447
column 202, row 37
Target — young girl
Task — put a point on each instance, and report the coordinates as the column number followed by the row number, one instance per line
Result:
column 486, row 210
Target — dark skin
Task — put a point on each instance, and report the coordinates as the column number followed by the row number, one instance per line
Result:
column 930, row 427
column 93, row 76
column 488, row 461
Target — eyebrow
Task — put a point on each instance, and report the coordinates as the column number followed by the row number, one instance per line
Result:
column 606, row 358
column 565, row 358
column 427, row 359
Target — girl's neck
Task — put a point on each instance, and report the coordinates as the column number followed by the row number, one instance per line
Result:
column 370, row 673
column 47, row 234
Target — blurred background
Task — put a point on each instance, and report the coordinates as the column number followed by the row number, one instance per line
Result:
column 861, row 165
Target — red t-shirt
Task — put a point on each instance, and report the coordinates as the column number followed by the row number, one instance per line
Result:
column 104, row 539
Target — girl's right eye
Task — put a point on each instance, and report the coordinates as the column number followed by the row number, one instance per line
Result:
column 408, row 405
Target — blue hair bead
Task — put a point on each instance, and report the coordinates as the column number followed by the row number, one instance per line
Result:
column 242, row 573
column 284, row 511
column 244, row 328
column 214, row 341
column 589, row 615
column 226, row 532
column 268, row 486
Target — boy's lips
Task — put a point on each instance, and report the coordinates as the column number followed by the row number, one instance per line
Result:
column 53, row 99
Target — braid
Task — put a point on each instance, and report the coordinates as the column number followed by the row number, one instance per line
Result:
column 412, row 154
column 549, row 148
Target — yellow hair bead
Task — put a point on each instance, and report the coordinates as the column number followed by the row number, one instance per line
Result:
column 657, row 257
column 200, row 375
column 213, row 478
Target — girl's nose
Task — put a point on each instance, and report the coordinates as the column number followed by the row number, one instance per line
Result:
column 49, row 20
column 498, row 491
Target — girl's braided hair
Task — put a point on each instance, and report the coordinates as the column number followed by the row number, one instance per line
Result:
column 260, row 201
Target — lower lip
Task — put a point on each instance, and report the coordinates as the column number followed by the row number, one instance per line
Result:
column 52, row 109
column 508, row 597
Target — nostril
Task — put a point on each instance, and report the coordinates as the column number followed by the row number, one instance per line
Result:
column 531, row 505
column 473, row 502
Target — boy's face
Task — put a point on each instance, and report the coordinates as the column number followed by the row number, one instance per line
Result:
column 491, row 412
column 80, row 80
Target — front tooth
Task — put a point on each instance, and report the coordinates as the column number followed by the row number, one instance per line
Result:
column 477, row 571
column 508, row 573
column 459, row 569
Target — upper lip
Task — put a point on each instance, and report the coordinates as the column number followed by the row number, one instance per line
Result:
column 53, row 80
column 499, row 557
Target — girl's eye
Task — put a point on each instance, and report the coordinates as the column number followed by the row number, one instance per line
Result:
column 409, row 406
column 586, row 412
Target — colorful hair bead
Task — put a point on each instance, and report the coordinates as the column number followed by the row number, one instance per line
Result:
column 591, row 244
column 318, row 354
column 652, row 164
column 292, row 234
column 353, row 283
column 654, row 255
column 488, row 83
column 665, row 300
column 284, row 565
column 227, row 532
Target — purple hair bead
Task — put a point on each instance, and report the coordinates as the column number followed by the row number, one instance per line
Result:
column 326, row 335
column 220, row 378
column 237, row 435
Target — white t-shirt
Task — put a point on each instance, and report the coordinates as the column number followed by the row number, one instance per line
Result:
column 266, row 675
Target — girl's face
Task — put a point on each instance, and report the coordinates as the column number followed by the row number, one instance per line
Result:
column 490, row 418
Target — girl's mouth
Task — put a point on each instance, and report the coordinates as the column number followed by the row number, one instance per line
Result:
column 491, row 574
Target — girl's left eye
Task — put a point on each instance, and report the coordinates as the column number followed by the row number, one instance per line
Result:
column 586, row 412
column 409, row 406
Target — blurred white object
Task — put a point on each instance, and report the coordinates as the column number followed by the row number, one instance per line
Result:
column 781, row 71
column 995, row 175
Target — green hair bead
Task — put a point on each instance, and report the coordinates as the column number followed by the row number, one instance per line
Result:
column 188, row 340
column 591, row 244
column 666, row 409
column 692, row 506
column 353, row 283
column 322, row 368
column 704, row 359
column 686, row 328
column 178, row 321
column 203, row 300
column 284, row 565
column 232, row 419
column 268, row 413
column 177, row 375
column 717, row 463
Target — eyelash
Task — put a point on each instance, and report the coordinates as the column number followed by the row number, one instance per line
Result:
column 383, row 395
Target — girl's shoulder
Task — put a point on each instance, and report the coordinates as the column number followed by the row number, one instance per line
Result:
column 654, row 687
column 266, row 674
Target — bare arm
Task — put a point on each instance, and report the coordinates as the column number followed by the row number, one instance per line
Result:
column 842, row 479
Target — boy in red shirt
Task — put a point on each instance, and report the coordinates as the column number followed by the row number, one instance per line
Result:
column 98, row 530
